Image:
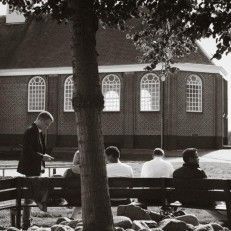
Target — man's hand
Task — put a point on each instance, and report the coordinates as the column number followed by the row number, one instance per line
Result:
column 47, row 157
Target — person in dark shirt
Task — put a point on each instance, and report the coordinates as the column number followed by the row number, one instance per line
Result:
column 33, row 157
column 190, row 168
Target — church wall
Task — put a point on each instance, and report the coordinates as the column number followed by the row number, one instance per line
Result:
column 128, row 128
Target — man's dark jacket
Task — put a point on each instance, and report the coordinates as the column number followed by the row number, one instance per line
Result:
column 191, row 171
column 31, row 160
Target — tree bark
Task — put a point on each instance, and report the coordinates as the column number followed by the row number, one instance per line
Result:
column 88, row 104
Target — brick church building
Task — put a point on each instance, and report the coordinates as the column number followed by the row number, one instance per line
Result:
column 36, row 74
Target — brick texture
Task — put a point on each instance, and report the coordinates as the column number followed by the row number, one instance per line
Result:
column 128, row 127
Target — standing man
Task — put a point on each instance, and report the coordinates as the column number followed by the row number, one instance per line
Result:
column 158, row 167
column 32, row 160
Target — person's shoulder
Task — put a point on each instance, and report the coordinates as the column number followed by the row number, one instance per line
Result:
column 167, row 162
column 30, row 131
column 110, row 165
column 31, row 128
column 123, row 165
column 147, row 163
column 202, row 173
column 177, row 172
column 70, row 174
column 200, row 170
column 126, row 166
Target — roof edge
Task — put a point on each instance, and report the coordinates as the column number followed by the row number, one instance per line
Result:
column 201, row 68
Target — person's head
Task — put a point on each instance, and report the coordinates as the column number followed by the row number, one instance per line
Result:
column 158, row 152
column 76, row 163
column 44, row 120
column 76, row 158
column 190, row 156
column 112, row 154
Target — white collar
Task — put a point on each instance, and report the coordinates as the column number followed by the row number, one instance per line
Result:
column 38, row 127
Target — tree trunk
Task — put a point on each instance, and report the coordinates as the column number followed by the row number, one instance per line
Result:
column 88, row 104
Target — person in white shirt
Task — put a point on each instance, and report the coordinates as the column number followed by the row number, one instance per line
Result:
column 158, row 167
column 114, row 167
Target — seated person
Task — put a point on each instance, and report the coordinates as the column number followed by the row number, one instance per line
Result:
column 157, row 167
column 191, row 170
column 115, row 168
column 73, row 172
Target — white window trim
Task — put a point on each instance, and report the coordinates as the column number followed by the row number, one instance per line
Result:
column 64, row 91
column 201, row 97
column 28, row 96
column 116, row 76
column 154, row 110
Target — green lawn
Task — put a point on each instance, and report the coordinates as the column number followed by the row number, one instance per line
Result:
column 213, row 170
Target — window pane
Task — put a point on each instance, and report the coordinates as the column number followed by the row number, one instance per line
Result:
column 68, row 92
column 194, row 94
column 150, row 93
column 36, row 94
column 111, row 92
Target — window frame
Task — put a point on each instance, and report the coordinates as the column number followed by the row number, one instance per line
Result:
column 116, row 91
column 200, row 100
column 29, row 96
column 64, row 93
column 155, row 76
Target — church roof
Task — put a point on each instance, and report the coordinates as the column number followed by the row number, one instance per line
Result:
column 47, row 44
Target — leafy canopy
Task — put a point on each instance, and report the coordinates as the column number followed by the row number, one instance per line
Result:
column 167, row 29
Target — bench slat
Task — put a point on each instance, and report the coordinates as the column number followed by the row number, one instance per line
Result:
column 198, row 195
column 8, row 195
column 51, row 182
column 205, row 184
column 7, row 183
column 123, row 182
column 7, row 206
column 136, row 193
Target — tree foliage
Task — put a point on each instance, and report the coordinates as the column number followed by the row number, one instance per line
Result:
column 169, row 28
column 164, row 30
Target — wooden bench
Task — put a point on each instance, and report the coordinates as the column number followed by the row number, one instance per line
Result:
column 152, row 191
column 8, row 195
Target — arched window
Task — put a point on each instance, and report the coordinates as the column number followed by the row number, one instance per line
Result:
column 68, row 92
column 111, row 92
column 150, row 93
column 36, row 94
column 194, row 94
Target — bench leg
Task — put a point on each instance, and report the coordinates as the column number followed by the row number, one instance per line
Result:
column 228, row 210
column 18, row 218
column 12, row 216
